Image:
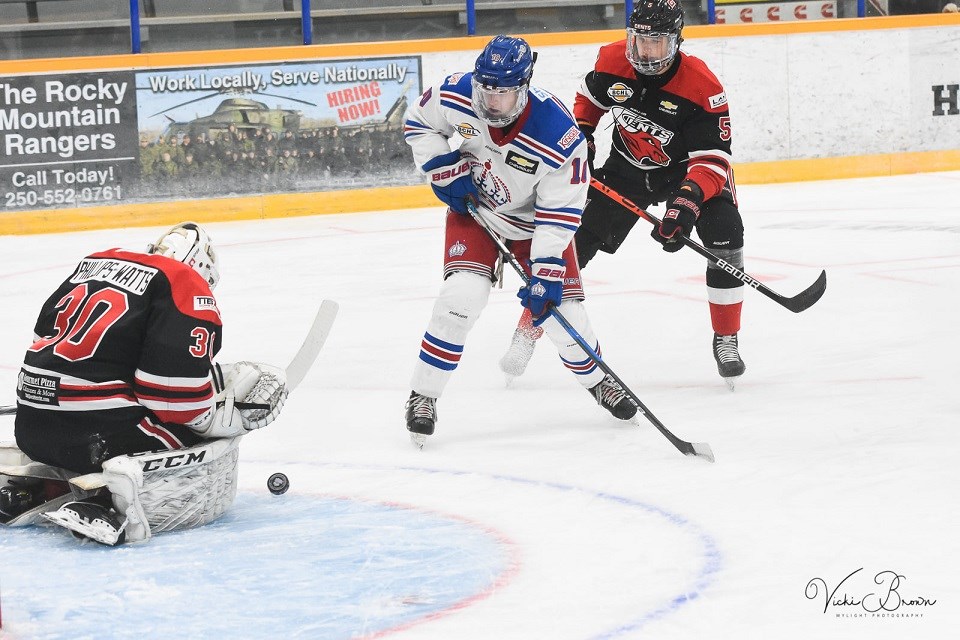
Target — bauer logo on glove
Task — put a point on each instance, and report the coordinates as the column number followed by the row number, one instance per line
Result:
column 452, row 180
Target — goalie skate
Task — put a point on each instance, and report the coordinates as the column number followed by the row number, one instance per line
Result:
column 89, row 520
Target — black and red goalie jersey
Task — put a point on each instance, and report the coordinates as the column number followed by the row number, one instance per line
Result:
column 673, row 126
column 125, row 343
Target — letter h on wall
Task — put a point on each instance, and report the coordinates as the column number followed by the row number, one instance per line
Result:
column 945, row 95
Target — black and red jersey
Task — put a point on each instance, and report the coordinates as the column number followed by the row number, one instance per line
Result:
column 126, row 341
column 674, row 126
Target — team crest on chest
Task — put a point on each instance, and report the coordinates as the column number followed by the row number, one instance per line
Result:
column 457, row 249
column 644, row 139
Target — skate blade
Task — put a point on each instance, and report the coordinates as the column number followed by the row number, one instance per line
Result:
column 731, row 382
column 418, row 440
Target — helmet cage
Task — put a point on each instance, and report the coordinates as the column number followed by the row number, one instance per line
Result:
column 188, row 243
column 651, row 53
column 498, row 106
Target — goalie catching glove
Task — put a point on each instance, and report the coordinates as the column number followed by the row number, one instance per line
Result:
column 249, row 396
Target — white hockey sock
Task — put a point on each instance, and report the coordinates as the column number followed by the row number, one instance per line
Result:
column 586, row 370
column 462, row 297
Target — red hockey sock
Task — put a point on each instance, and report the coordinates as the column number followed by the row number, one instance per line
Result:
column 725, row 318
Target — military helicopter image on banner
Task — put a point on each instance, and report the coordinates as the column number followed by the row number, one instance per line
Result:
column 272, row 128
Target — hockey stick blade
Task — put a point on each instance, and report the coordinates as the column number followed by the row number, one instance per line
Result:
column 310, row 349
column 803, row 300
column 808, row 297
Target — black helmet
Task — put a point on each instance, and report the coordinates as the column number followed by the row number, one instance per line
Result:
column 653, row 35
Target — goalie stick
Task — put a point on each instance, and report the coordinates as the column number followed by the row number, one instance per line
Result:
column 301, row 362
column 310, row 349
column 803, row 300
column 696, row 449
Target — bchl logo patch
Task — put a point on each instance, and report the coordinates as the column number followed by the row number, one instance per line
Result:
column 455, row 78
column 571, row 136
column 457, row 249
column 718, row 100
column 620, row 92
column 466, row 130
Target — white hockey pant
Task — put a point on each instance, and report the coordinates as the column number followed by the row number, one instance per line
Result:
column 462, row 298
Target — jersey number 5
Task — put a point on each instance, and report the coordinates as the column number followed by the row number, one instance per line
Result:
column 82, row 320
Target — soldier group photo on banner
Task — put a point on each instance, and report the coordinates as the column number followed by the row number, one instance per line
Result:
column 306, row 126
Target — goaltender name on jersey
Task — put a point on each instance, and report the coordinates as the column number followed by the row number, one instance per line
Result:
column 129, row 276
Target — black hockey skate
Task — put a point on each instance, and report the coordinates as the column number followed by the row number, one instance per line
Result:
column 611, row 396
column 89, row 520
column 19, row 496
column 726, row 353
column 421, row 417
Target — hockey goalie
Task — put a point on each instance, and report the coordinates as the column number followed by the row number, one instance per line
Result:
column 125, row 426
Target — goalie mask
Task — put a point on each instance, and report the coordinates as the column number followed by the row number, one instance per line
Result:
column 501, row 79
column 189, row 243
column 653, row 35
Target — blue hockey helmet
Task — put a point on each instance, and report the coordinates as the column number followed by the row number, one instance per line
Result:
column 653, row 35
column 501, row 79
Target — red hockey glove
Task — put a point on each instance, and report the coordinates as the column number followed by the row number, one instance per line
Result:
column 683, row 209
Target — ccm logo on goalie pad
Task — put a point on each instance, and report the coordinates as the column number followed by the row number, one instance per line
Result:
column 174, row 460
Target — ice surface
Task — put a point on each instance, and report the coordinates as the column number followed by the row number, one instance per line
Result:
column 531, row 513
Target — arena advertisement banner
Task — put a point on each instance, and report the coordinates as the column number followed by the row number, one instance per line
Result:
column 737, row 11
column 273, row 128
column 98, row 138
column 67, row 139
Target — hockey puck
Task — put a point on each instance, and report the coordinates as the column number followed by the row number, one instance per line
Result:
column 278, row 483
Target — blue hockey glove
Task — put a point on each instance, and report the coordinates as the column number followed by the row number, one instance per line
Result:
column 545, row 288
column 451, row 180
column 683, row 209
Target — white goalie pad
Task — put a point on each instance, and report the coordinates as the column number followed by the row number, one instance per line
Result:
column 251, row 397
column 180, row 489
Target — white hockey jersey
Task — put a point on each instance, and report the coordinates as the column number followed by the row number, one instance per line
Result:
column 532, row 181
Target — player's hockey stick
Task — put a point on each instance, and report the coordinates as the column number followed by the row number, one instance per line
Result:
column 310, row 349
column 8, row 411
column 698, row 449
column 803, row 300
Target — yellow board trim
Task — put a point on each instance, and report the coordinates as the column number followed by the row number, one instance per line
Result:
column 330, row 202
column 389, row 198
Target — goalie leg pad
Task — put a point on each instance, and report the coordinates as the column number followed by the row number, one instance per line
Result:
column 175, row 489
